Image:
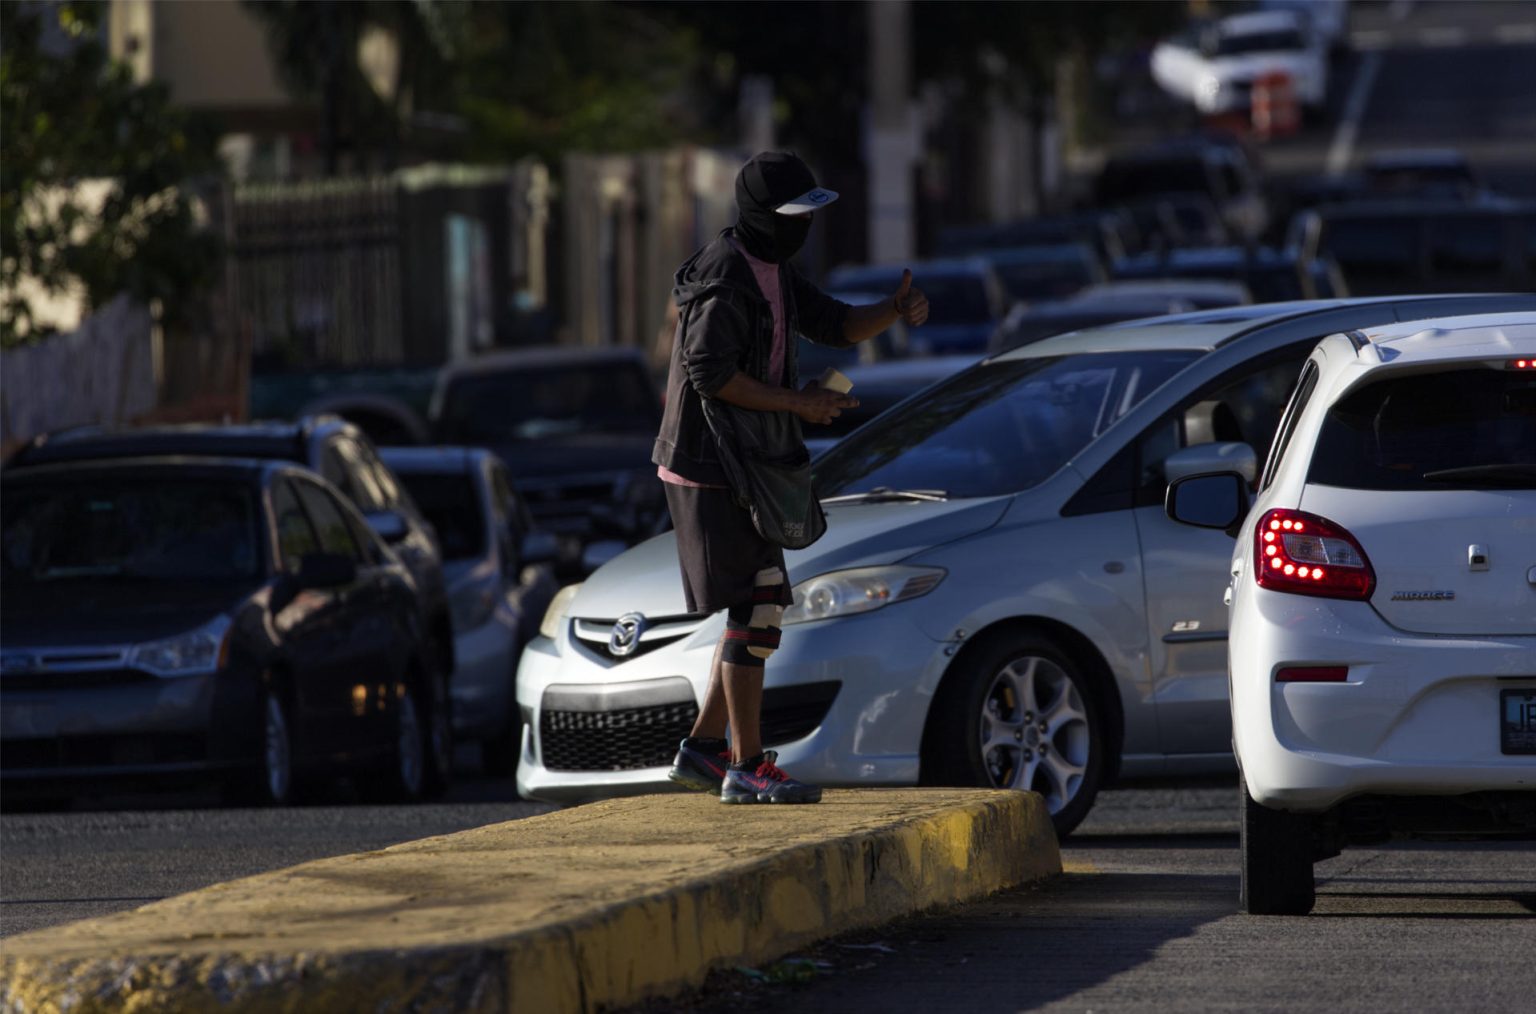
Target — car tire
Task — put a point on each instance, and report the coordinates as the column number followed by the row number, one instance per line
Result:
column 1019, row 712
column 437, row 740
column 275, row 780
column 403, row 779
column 1277, row 853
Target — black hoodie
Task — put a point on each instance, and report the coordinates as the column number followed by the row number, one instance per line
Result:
column 725, row 325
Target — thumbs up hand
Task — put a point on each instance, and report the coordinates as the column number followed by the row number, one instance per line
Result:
column 911, row 305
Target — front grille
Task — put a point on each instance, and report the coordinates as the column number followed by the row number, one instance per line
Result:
column 659, row 632
column 624, row 739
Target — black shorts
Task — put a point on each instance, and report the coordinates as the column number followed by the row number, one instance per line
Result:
column 718, row 550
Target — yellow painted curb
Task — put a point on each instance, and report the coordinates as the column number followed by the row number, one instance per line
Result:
column 596, row 906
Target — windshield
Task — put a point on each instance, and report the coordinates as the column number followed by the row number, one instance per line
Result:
column 536, row 404
column 1467, row 429
column 998, row 427
column 452, row 504
column 106, row 527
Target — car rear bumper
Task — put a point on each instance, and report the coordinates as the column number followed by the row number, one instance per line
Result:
column 844, row 704
column 1416, row 715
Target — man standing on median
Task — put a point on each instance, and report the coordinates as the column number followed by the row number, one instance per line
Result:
column 740, row 306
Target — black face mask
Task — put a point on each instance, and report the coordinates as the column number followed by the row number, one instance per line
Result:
column 770, row 236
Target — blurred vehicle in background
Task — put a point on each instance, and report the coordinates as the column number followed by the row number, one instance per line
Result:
column 1213, row 65
column 388, row 403
column 879, row 386
column 173, row 618
column 811, row 358
column 345, row 458
column 1178, row 220
column 496, row 565
column 1034, row 273
column 1271, row 275
column 1197, row 293
column 1391, row 247
column 1025, row 325
column 966, row 297
column 1327, row 21
column 574, row 426
column 1430, row 173
column 999, row 599
column 1221, row 170
column 1110, row 233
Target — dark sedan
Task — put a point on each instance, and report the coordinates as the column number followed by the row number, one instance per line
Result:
column 168, row 619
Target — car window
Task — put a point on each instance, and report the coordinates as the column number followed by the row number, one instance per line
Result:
column 384, row 483
column 1305, row 385
column 1471, row 428
column 334, row 532
column 1245, row 405
column 110, row 529
column 295, row 535
column 998, row 427
column 335, row 470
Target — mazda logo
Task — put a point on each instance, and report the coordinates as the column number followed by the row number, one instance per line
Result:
column 625, row 637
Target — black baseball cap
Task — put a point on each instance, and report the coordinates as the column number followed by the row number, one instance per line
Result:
column 779, row 181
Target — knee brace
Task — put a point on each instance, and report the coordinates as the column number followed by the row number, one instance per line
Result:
column 752, row 629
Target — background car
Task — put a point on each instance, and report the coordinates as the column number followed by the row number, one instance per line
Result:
column 1383, row 600
column 1213, row 65
column 1270, row 275
column 1031, row 274
column 227, row 620
column 496, row 564
column 894, row 342
column 966, row 297
column 341, row 454
column 575, row 426
column 999, row 599
column 1222, row 170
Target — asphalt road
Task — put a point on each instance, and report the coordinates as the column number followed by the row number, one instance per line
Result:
column 59, row 867
column 1146, row 920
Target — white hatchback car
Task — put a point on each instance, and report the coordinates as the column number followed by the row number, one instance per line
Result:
column 1383, row 600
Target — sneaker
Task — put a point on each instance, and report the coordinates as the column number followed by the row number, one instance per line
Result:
column 698, row 770
column 768, row 784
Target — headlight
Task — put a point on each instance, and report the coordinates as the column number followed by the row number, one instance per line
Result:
column 554, row 616
column 1208, row 89
column 195, row 653
column 862, row 590
column 473, row 598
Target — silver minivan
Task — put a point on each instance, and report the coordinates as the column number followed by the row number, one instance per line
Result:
column 1000, row 598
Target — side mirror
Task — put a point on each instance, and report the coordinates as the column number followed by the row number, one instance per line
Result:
column 325, row 570
column 389, row 526
column 539, row 547
column 1202, row 459
column 1215, row 500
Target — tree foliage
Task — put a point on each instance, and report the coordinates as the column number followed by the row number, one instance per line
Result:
column 69, row 115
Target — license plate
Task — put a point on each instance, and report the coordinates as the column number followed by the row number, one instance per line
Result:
column 28, row 721
column 1517, row 721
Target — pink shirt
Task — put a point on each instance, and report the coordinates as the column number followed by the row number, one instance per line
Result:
column 767, row 275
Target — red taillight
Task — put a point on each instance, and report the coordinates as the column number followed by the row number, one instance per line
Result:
column 1308, row 555
column 1313, row 674
column 1522, row 364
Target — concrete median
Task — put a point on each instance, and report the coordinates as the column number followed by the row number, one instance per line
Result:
column 595, row 906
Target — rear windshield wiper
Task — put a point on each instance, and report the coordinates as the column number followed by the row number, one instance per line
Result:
column 886, row 493
column 1511, row 476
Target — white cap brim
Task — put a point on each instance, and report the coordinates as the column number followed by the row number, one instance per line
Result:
column 812, row 200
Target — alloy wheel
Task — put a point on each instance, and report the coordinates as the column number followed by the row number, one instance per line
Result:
column 278, row 752
column 1035, row 731
column 408, row 749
